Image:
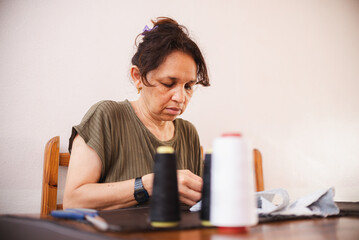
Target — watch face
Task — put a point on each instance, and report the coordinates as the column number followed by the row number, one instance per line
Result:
column 141, row 196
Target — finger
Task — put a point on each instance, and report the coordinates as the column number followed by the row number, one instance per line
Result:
column 195, row 186
column 191, row 175
column 193, row 183
column 187, row 201
column 189, row 193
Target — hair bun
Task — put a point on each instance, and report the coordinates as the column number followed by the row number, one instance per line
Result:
column 164, row 20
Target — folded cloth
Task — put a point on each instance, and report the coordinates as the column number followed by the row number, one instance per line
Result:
column 265, row 198
column 197, row 207
column 319, row 203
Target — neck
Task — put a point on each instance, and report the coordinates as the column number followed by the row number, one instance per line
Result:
column 163, row 130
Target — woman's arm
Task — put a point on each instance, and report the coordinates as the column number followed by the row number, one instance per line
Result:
column 82, row 188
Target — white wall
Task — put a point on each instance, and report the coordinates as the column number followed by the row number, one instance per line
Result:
column 284, row 73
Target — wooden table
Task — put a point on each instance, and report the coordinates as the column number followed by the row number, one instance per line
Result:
column 37, row 227
column 332, row 228
column 320, row 228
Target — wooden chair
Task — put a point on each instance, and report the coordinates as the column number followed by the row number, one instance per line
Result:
column 53, row 159
column 258, row 169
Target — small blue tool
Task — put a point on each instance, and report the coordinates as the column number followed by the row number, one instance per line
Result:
column 90, row 215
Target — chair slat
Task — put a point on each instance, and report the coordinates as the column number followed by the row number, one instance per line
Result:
column 50, row 175
column 64, row 159
column 258, row 170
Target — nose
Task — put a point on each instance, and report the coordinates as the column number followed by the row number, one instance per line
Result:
column 179, row 95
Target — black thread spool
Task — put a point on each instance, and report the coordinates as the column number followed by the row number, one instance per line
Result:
column 206, row 190
column 165, row 209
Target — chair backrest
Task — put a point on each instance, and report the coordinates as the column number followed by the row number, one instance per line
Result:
column 53, row 159
column 258, row 169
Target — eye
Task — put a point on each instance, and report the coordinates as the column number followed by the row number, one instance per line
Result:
column 168, row 85
column 189, row 86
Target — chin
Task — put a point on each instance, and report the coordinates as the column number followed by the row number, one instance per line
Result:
column 170, row 117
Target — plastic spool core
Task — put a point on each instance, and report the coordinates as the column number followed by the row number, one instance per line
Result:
column 164, row 224
column 209, row 151
column 231, row 135
column 165, row 149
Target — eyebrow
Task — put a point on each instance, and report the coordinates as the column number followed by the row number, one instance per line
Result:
column 175, row 79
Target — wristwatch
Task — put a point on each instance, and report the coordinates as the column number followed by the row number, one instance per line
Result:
column 141, row 195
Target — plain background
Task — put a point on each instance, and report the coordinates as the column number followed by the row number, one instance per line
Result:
column 284, row 73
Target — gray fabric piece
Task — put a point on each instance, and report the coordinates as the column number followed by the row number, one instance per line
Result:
column 265, row 198
column 319, row 203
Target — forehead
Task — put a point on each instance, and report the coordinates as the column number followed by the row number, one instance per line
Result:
column 179, row 64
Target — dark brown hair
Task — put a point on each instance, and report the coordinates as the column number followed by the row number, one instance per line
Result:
column 165, row 37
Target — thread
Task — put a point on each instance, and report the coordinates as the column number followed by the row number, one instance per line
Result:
column 232, row 184
column 206, row 190
column 164, row 206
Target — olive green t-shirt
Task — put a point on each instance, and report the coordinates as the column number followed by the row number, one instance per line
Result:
column 126, row 147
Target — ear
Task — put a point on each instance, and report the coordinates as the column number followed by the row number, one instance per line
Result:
column 136, row 76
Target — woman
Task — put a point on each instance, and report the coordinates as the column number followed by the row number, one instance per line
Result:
column 113, row 148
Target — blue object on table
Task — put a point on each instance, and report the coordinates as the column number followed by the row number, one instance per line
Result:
column 90, row 215
column 67, row 214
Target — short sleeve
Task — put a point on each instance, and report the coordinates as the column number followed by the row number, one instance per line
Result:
column 95, row 129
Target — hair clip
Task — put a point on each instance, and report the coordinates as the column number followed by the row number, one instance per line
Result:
column 147, row 29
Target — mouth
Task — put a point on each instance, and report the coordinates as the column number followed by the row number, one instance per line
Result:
column 174, row 110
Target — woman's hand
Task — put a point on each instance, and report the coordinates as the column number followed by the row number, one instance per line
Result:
column 189, row 187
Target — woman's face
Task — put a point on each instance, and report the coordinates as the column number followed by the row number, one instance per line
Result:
column 173, row 82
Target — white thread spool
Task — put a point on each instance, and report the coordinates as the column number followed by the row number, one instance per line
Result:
column 232, row 185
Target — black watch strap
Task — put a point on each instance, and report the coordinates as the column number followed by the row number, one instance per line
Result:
column 138, row 184
column 140, row 193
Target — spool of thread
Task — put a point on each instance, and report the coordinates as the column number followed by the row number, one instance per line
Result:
column 233, row 206
column 164, row 207
column 206, row 190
